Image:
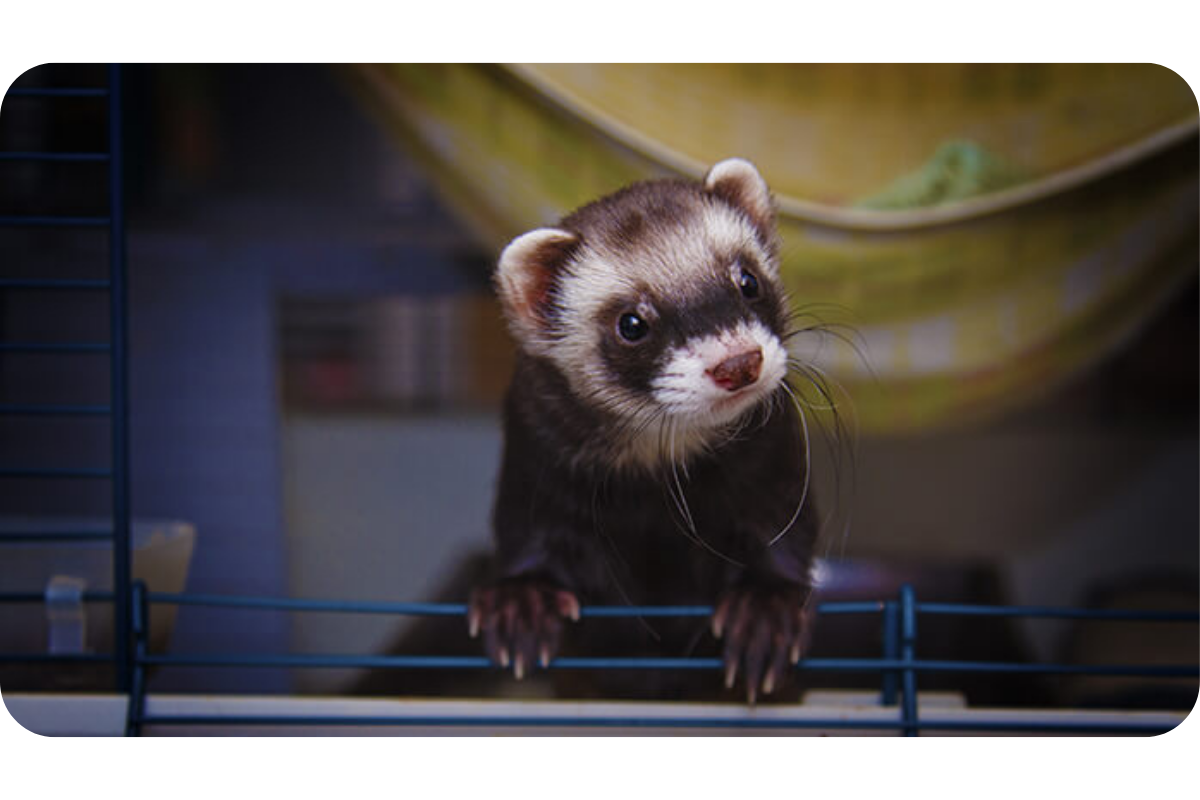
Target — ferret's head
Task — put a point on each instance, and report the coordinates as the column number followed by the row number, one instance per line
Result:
column 661, row 305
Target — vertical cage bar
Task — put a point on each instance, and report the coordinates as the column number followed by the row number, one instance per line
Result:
column 119, row 400
column 908, row 646
column 891, row 651
column 136, row 709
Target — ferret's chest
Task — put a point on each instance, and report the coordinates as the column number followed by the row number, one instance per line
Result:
column 670, row 540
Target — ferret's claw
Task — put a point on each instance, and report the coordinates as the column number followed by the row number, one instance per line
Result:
column 764, row 630
column 521, row 621
column 473, row 623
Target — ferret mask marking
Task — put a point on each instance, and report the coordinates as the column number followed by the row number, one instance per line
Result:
column 669, row 250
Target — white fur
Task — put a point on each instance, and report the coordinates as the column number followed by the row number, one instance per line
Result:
column 739, row 171
column 674, row 260
column 685, row 388
column 516, row 277
column 697, row 411
column 668, row 263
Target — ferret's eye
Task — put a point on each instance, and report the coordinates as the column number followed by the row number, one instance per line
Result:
column 748, row 284
column 632, row 327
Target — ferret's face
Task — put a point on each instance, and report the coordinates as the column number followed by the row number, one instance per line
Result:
column 660, row 305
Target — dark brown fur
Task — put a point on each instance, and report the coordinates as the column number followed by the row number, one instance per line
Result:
column 568, row 522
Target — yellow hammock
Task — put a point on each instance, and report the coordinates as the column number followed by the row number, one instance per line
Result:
column 989, row 230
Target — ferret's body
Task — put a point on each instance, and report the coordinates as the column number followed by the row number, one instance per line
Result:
column 652, row 454
column 623, row 536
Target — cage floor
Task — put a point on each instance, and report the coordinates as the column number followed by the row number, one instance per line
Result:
column 821, row 714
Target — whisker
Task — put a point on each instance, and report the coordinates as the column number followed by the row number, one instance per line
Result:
column 807, row 469
column 685, row 511
column 830, row 404
column 684, row 508
column 852, row 338
column 840, row 442
column 817, row 379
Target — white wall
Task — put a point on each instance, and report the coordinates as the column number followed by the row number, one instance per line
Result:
column 379, row 508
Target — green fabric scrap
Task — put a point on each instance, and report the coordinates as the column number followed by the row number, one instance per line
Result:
column 957, row 171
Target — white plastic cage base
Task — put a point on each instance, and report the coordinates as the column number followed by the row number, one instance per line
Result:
column 104, row 715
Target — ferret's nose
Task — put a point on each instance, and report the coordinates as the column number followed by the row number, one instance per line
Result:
column 737, row 371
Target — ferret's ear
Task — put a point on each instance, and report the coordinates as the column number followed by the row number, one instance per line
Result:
column 737, row 182
column 526, row 273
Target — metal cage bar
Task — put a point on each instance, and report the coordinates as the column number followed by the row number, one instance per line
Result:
column 116, row 411
column 900, row 661
column 122, row 559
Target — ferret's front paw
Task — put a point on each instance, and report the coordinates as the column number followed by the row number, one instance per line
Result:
column 521, row 621
column 766, row 630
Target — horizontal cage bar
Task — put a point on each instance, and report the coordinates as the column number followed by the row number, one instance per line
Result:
column 456, row 609
column 53, row 221
column 859, row 607
column 1105, row 614
column 53, row 658
column 50, row 536
column 64, row 91
column 660, row 722
column 54, row 347
column 55, row 283
column 320, row 661
column 92, row 596
column 54, row 472
column 54, row 410
column 27, row 155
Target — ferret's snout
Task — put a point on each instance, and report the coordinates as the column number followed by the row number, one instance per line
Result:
column 738, row 372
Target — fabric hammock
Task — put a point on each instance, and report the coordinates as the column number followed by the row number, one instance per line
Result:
column 988, row 230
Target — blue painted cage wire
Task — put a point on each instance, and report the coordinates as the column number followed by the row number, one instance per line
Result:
column 898, row 665
column 117, row 473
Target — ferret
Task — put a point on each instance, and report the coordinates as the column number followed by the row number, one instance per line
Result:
column 653, row 450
